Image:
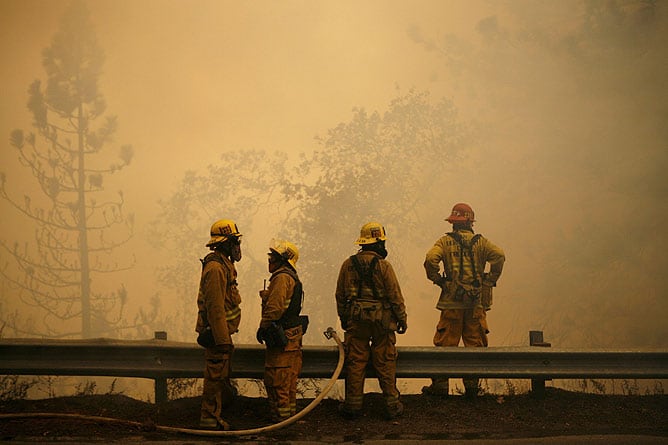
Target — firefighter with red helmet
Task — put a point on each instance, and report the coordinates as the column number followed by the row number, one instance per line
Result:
column 465, row 288
column 371, row 308
column 281, row 329
column 218, row 318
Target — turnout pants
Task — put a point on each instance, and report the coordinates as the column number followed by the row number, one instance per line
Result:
column 366, row 341
column 281, row 372
column 469, row 325
column 217, row 392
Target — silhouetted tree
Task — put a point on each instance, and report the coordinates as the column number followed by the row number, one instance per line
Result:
column 575, row 93
column 390, row 167
column 73, row 239
column 245, row 186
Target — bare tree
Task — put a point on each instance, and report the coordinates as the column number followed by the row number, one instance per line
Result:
column 79, row 224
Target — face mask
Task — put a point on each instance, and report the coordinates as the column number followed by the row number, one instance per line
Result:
column 235, row 254
column 274, row 262
column 232, row 249
column 380, row 249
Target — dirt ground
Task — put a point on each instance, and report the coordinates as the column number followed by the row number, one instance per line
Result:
column 486, row 417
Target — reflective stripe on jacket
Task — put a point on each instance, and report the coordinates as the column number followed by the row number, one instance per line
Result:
column 459, row 270
column 218, row 299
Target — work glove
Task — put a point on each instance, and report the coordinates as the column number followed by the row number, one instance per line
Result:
column 401, row 327
column 261, row 332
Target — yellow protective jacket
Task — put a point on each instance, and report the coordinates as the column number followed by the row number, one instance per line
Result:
column 460, row 288
column 385, row 282
column 218, row 299
column 276, row 299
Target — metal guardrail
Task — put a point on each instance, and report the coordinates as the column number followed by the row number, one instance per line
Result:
column 162, row 359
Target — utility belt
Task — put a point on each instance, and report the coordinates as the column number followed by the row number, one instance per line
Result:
column 274, row 335
column 293, row 322
column 366, row 310
column 467, row 294
column 371, row 311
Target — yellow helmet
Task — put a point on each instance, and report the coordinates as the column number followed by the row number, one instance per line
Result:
column 371, row 233
column 286, row 250
column 221, row 230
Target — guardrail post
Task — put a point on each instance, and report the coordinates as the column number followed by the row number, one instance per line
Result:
column 537, row 385
column 160, row 383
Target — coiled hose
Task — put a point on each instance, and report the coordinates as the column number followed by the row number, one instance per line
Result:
column 329, row 333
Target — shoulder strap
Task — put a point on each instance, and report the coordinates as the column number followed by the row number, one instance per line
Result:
column 296, row 301
column 365, row 275
column 468, row 247
column 288, row 271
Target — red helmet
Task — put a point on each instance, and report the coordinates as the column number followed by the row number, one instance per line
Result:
column 461, row 213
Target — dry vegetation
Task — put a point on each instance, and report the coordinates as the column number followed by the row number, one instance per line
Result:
column 512, row 416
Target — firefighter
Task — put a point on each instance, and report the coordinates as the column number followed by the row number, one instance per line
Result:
column 281, row 330
column 371, row 308
column 465, row 289
column 218, row 318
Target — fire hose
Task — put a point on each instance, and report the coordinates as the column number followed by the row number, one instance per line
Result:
column 329, row 333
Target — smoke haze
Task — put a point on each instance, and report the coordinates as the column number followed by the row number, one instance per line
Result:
column 567, row 173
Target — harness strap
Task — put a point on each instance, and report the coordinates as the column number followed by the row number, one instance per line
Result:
column 365, row 275
column 469, row 247
column 290, row 317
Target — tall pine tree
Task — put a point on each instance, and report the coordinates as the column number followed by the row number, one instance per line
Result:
column 79, row 224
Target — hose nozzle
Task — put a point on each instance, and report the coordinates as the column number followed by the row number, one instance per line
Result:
column 329, row 332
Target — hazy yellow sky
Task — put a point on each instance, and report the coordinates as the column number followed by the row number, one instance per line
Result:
column 192, row 79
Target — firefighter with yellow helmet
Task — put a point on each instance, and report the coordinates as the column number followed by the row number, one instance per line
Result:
column 465, row 288
column 371, row 308
column 281, row 329
column 218, row 317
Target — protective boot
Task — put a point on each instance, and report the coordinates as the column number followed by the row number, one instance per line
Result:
column 349, row 413
column 394, row 410
column 210, row 423
column 276, row 418
column 439, row 387
column 471, row 388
